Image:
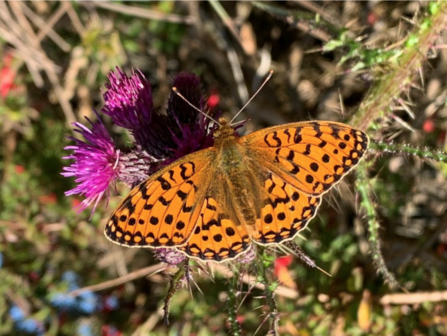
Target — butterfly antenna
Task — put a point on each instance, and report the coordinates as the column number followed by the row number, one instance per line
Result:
column 252, row 97
column 194, row 107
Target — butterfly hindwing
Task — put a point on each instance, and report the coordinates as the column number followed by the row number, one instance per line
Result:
column 163, row 210
column 217, row 235
column 285, row 210
column 311, row 156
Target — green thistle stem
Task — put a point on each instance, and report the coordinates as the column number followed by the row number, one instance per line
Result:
column 367, row 205
column 174, row 285
column 403, row 67
column 232, row 302
column 263, row 264
column 394, row 148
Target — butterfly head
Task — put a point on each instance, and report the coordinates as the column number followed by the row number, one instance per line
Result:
column 224, row 131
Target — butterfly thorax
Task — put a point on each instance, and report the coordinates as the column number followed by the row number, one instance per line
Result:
column 235, row 179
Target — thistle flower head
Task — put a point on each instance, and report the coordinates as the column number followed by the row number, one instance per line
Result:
column 169, row 256
column 191, row 131
column 160, row 137
column 95, row 163
column 128, row 100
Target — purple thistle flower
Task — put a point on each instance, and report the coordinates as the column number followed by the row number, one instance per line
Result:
column 128, row 101
column 248, row 256
column 95, row 166
column 169, row 256
column 189, row 86
column 160, row 138
column 192, row 130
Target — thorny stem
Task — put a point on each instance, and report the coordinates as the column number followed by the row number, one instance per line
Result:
column 294, row 16
column 263, row 264
column 423, row 153
column 174, row 285
column 406, row 64
column 367, row 205
column 235, row 329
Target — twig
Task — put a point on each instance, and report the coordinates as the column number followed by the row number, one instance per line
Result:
column 53, row 20
column 141, row 12
column 118, row 281
column 60, row 42
column 413, row 298
column 75, row 20
column 228, row 22
column 249, row 279
column 293, row 21
column 314, row 8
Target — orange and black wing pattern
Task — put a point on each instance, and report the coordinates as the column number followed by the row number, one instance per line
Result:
column 163, row 210
column 311, row 156
column 218, row 235
column 284, row 210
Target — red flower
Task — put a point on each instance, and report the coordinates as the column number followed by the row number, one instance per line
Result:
column 213, row 100
column 48, row 199
column 428, row 126
column 19, row 169
column 7, row 75
column 282, row 272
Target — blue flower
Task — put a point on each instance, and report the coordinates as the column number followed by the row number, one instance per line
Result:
column 25, row 325
column 85, row 329
column 16, row 313
column 111, row 302
column 30, row 326
column 88, row 302
column 85, row 303
column 64, row 301
column 72, row 279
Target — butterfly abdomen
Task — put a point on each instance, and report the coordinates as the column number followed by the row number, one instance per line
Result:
column 240, row 187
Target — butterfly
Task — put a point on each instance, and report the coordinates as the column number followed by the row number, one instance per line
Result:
column 261, row 188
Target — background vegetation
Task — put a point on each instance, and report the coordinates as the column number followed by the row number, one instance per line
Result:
column 382, row 235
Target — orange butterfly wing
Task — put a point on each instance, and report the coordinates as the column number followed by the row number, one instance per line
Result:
column 218, row 236
column 285, row 210
column 311, row 156
column 300, row 161
column 163, row 210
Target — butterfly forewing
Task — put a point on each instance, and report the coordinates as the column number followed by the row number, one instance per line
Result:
column 163, row 210
column 312, row 156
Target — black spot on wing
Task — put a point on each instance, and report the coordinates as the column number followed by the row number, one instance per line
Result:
column 307, row 151
column 184, row 170
column 335, row 131
column 298, row 138
column 165, row 185
column 316, row 127
column 286, row 132
column 163, row 201
column 171, row 175
column 143, row 190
